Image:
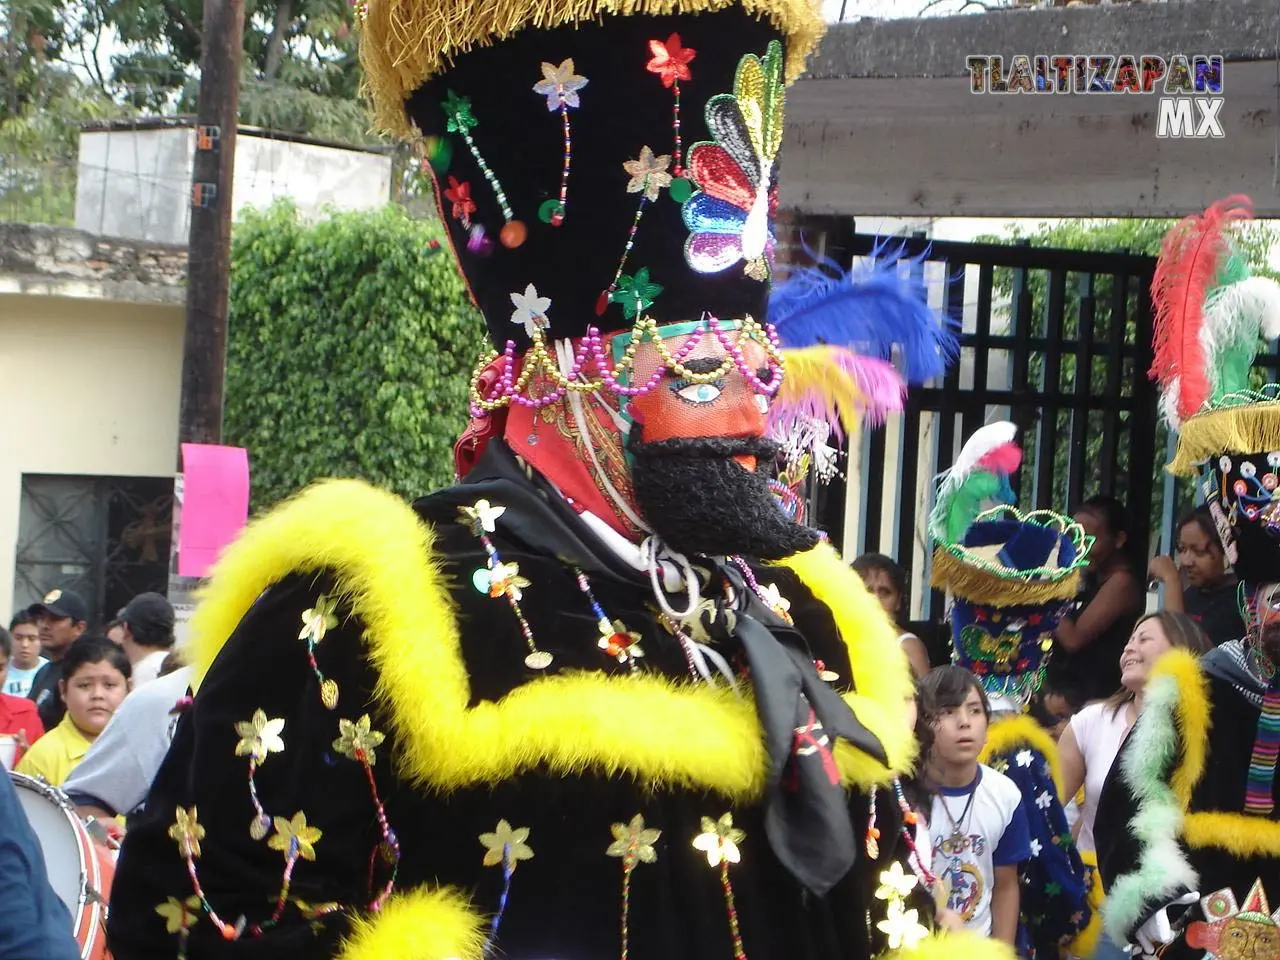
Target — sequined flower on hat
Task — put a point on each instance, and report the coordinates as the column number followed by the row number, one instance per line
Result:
column 633, row 842
column 506, row 845
column 719, row 840
column 729, row 216
column 179, row 915
column 294, row 836
column 259, row 737
column 458, row 110
column 458, row 193
column 187, row 832
column 648, row 173
column 670, row 60
column 559, row 84
column 357, row 741
column 635, row 293
column 319, row 620
column 530, row 310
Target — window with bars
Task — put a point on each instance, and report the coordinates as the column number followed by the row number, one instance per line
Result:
column 106, row 538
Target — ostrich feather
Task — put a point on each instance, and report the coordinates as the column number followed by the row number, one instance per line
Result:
column 819, row 384
column 980, row 473
column 1192, row 255
column 869, row 309
column 1235, row 317
column 882, row 387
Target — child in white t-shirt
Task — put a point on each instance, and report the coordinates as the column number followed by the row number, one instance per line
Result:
column 978, row 826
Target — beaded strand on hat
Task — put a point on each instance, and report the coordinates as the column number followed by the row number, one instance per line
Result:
column 511, row 389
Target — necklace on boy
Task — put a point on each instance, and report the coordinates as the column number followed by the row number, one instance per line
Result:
column 958, row 824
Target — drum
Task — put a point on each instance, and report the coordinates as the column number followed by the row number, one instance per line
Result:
column 80, row 871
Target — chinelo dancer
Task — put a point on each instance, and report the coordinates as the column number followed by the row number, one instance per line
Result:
column 1010, row 577
column 1187, row 829
column 603, row 697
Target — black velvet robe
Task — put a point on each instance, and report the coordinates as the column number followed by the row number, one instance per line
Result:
column 564, row 904
column 1211, row 847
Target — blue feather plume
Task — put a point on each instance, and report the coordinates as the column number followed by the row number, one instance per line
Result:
column 867, row 309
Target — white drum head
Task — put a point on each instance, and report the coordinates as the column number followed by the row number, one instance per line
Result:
column 54, row 828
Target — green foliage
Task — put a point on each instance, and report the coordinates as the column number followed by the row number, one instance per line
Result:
column 1122, row 236
column 351, row 344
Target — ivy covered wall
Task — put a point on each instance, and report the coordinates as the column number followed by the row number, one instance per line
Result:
column 350, row 346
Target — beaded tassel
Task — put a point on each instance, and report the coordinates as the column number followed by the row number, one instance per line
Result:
column 634, row 843
column 560, row 85
column 504, row 847
column 648, row 176
column 615, row 640
column 719, row 841
column 462, row 121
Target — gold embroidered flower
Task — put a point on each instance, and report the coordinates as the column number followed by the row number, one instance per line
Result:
column 357, row 741
column 619, row 642
column 259, row 737
column 179, row 915
column 648, row 173
column 482, row 517
column 633, row 842
column 506, row 846
column 295, row 837
column 505, row 579
column 719, row 840
column 902, row 927
column 895, row 883
column 187, row 832
column 318, row 620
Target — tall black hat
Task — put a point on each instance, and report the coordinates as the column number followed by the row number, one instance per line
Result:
column 595, row 166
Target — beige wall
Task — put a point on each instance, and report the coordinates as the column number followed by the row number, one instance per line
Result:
column 87, row 387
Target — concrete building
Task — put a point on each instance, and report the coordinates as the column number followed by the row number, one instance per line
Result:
column 133, row 178
column 91, row 328
column 90, row 356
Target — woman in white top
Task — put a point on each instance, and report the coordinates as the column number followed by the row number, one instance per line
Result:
column 887, row 582
column 1094, row 736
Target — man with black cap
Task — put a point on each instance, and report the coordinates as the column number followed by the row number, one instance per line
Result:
column 147, row 624
column 62, row 616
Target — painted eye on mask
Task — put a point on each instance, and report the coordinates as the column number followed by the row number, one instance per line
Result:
column 699, row 392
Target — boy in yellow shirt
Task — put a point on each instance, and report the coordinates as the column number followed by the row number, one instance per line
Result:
column 95, row 679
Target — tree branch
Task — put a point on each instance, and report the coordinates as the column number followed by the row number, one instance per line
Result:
column 178, row 15
column 275, row 44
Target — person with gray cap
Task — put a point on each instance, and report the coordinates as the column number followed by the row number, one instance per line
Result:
column 147, row 624
column 62, row 616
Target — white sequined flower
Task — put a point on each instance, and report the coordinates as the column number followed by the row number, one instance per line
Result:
column 530, row 310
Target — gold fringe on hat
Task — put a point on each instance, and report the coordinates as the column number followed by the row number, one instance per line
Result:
column 1248, row 428
column 980, row 585
column 406, row 42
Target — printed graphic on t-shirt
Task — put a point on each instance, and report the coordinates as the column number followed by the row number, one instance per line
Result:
column 964, row 872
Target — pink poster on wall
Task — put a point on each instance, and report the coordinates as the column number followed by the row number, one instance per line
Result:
column 215, row 503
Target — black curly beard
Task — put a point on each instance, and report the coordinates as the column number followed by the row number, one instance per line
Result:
column 700, row 501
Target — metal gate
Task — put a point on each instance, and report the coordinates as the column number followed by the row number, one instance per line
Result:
column 1057, row 341
column 107, row 538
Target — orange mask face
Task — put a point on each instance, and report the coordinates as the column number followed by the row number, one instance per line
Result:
column 682, row 408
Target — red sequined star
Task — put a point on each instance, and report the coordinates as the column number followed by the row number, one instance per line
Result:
column 459, row 194
column 670, row 60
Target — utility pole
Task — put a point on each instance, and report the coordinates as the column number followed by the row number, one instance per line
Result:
column 204, row 346
column 204, row 342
